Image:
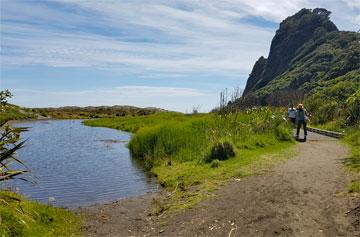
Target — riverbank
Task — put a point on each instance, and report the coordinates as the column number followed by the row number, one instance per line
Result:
column 148, row 214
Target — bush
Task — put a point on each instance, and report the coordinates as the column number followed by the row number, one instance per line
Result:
column 221, row 151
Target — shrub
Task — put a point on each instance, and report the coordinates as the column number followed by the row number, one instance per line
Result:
column 9, row 144
column 221, row 151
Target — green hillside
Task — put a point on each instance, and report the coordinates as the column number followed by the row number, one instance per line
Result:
column 310, row 61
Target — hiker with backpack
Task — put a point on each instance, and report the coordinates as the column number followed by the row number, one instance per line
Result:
column 301, row 120
column 292, row 115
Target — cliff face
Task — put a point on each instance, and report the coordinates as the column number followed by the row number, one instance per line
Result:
column 306, row 25
column 308, row 54
column 256, row 74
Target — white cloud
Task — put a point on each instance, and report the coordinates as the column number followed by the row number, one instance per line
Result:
column 353, row 3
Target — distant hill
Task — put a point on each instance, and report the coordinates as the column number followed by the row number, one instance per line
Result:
column 13, row 112
column 94, row 111
column 308, row 55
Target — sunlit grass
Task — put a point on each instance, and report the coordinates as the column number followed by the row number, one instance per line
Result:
column 20, row 217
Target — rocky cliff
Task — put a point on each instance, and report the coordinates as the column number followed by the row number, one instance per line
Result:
column 307, row 53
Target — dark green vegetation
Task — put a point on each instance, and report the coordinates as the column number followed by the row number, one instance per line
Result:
column 310, row 61
column 9, row 144
column 192, row 154
column 74, row 112
column 20, row 217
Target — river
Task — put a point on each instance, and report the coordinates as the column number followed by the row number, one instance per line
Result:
column 75, row 165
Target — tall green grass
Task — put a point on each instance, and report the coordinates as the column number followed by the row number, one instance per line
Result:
column 193, row 138
column 20, row 217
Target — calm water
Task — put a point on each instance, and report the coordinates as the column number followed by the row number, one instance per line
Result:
column 79, row 165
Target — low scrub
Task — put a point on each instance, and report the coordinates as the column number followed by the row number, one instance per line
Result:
column 221, row 151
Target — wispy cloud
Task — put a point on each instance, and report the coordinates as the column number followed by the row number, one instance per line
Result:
column 142, row 35
column 157, row 37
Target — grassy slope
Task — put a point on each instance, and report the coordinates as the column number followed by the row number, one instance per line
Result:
column 20, row 217
column 175, row 148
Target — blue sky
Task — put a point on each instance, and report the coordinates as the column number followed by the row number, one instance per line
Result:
column 172, row 54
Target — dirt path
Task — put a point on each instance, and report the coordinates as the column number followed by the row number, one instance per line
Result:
column 302, row 197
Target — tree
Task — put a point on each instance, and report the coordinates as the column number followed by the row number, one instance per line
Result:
column 4, row 95
column 9, row 144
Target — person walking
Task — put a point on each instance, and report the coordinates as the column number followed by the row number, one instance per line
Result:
column 301, row 120
column 292, row 115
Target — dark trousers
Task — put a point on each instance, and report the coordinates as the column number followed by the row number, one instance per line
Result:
column 299, row 123
column 293, row 121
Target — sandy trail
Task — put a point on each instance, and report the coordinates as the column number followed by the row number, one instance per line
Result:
column 305, row 196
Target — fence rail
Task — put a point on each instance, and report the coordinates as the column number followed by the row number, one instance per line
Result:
column 326, row 132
